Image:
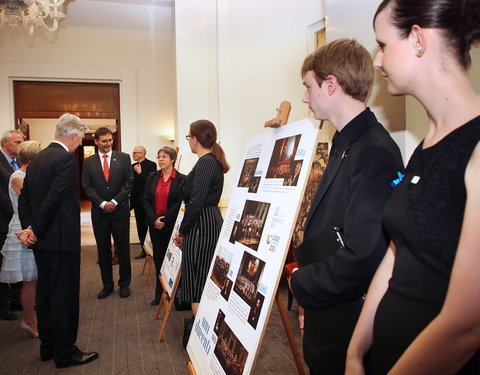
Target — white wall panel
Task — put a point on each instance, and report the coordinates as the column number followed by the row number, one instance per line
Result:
column 247, row 57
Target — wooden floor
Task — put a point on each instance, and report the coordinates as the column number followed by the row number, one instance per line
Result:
column 123, row 331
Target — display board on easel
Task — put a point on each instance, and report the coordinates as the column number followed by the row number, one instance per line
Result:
column 250, row 254
column 170, row 273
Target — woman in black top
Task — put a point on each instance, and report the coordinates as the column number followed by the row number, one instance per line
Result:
column 202, row 221
column 422, row 311
column 161, row 202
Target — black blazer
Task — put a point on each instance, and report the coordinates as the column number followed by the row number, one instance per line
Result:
column 6, row 210
column 118, row 186
column 350, row 197
column 49, row 200
column 173, row 203
column 334, row 274
column 139, row 181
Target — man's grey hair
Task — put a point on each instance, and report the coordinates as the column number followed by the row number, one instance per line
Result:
column 70, row 124
column 7, row 134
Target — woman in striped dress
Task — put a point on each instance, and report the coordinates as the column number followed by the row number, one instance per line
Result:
column 202, row 221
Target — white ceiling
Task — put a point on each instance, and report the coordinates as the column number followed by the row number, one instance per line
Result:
column 130, row 14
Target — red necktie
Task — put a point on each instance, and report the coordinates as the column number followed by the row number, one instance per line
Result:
column 106, row 170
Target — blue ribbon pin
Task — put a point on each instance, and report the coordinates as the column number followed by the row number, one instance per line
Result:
column 395, row 182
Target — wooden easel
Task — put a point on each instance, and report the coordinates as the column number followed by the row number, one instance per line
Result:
column 191, row 369
column 167, row 302
column 283, row 111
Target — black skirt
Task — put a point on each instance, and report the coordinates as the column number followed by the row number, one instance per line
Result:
column 197, row 253
column 398, row 321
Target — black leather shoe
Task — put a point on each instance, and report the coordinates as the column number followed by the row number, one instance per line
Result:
column 76, row 358
column 124, row 292
column 140, row 256
column 155, row 302
column 104, row 293
column 7, row 314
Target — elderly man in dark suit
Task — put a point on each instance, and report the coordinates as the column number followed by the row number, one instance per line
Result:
column 141, row 169
column 107, row 181
column 49, row 209
column 11, row 139
column 344, row 241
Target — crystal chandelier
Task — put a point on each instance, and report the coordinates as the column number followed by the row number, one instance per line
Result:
column 31, row 12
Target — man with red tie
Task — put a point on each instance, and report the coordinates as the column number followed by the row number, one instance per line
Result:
column 107, row 179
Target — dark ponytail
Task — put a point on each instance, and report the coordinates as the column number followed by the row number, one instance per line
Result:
column 206, row 135
column 459, row 20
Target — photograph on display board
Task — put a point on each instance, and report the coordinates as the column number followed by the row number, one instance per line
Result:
column 319, row 163
column 252, row 222
column 292, row 179
column 219, row 321
column 236, row 229
column 226, row 288
column 282, row 163
column 229, row 351
column 255, row 310
column 249, row 274
column 253, row 188
column 221, row 267
column 248, row 172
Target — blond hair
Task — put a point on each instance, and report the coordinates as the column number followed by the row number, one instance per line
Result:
column 27, row 151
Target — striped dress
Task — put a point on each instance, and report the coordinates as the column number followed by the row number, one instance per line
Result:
column 201, row 224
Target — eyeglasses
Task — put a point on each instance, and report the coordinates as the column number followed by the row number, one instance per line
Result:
column 188, row 136
column 136, row 152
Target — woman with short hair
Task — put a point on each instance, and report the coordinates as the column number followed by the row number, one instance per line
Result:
column 18, row 260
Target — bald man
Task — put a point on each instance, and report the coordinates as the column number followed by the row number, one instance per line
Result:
column 141, row 169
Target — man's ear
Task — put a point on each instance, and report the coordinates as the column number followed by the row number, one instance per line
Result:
column 331, row 84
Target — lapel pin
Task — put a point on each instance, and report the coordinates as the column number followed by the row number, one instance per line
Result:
column 415, row 179
column 395, row 182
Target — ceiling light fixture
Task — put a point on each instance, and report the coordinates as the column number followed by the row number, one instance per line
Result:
column 32, row 13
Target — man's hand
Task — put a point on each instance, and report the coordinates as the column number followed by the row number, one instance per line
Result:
column 109, row 207
column 137, row 168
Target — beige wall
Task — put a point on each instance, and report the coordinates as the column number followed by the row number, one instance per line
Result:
column 230, row 61
column 141, row 61
column 353, row 19
column 236, row 61
column 404, row 117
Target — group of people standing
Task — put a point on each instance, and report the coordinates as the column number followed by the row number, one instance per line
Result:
column 45, row 254
column 388, row 266
column 388, row 269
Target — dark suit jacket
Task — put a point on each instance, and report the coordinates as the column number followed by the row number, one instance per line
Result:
column 333, row 278
column 173, row 203
column 118, row 186
column 139, row 180
column 49, row 200
column 6, row 210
